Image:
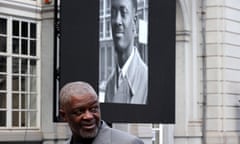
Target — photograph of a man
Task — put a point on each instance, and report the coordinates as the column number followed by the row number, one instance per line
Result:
column 129, row 81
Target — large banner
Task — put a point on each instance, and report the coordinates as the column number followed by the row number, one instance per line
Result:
column 126, row 50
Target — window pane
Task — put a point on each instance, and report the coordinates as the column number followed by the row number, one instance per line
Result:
column 15, row 83
column 33, row 47
column 101, row 7
column 33, row 101
column 108, row 27
column 15, row 46
column 15, row 118
column 2, row 118
column 2, row 100
column 15, row 28
column 24, row 46
column 15, row 65
column 24, row 83
column 24, row 66
column 101, row 29
column 23, row 119
column 15, row 101
column 3, row 26
column 3, row 64
column 24, row 29
column 33, row 84
column 33, row 67
column 33, row 119
column 33, row 30
column 3, row 82
column 24, row 101
column 3, row 44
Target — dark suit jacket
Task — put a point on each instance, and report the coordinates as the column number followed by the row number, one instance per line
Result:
column 135, row 89
column 107, row 135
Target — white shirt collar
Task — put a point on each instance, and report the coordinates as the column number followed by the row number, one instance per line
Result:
column 125, row 67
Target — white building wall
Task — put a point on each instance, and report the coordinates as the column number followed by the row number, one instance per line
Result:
column 223, row 74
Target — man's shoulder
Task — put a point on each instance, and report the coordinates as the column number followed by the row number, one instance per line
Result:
column 118, row 136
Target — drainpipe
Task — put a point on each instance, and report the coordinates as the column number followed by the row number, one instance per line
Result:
column 204, row 71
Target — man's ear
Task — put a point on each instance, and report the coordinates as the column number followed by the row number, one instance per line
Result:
column 135, row 22
column 62, row 114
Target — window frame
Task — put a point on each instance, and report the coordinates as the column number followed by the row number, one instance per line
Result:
column 9, row 74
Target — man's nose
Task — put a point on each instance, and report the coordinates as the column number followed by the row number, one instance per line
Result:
column 88, row 115
column 118, row 19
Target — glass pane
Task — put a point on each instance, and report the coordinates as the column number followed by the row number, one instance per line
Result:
column 23, row 119
column 24, row 83
column 33, row 84
column 24, row 101
column 3, row 44
column 16, row 28
column 33, row 101
column 24, row 46
column 15, row 65
column 2, row 100
column 33, row 66
column 15, row 83
column 3, row 82
column 24, row 29
column 33, row 30
column 33, row 47
column 2, row 118
column 15, row 46
column 3, row 64
column 15, row 101
column 24, row 66
column 15, row 118
column 3, row 26
column 33, row 119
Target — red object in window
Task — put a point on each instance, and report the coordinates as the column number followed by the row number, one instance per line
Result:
column 47, row 1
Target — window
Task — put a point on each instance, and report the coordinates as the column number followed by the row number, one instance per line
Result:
column 18, row 73
column 108, row 28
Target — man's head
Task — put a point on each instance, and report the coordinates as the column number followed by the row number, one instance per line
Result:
column 79, row 107
column 123, row 20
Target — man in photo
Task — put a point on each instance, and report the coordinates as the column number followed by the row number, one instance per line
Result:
column 129, row 81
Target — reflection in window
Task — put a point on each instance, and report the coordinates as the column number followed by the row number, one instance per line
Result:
column 3, row 100
column 33, row 29
column 24, row 29
column 3, row 26
column 3, row 44
column 24, row 66
column 3, row 64
column 15, row 45
column 3, row 82
column 24, row 46
column 2, row 118
column 15, row 28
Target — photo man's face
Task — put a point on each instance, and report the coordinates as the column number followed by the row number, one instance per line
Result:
column 123, row 24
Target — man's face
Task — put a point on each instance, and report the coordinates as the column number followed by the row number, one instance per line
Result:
column 83, row 115
column 123, row 24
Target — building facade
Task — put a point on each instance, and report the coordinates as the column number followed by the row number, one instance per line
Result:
column 207, row 74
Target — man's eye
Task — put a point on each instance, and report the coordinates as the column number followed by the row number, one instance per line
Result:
column 94, row 109
column 113, row 12
column 78, row 112
column 123, row 11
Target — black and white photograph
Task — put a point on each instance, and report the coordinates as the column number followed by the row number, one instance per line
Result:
column 123, row 51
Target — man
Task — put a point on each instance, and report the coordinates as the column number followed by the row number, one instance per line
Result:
column 79, row 107
column 129, row 81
